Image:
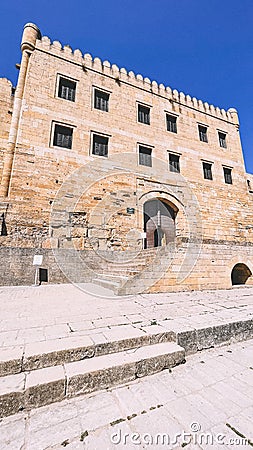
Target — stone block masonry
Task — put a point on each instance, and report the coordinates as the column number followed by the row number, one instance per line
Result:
column 94, row 158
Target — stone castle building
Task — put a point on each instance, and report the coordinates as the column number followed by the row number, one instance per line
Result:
column 118, row 180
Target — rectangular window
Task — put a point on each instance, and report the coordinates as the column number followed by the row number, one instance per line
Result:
column 203, row 133
column 67, row 89
column 174, row 162
column 100, row 145
column 62, row 136
column 171, row 123
column 144, row 114
column 101, row 100
column 207, row 170
column 145, row 156
column 227, row 175
column 222, row 140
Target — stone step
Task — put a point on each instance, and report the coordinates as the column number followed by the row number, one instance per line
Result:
column 120, row 267
column 120, row 272
column 113, row 284
column 103, row 260
column 53, row 352
column 44, row 386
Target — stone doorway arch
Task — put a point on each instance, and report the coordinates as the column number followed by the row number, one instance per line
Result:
column 159, row 223
column 240, row 274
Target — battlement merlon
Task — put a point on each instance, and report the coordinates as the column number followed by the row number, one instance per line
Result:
column 32, row 39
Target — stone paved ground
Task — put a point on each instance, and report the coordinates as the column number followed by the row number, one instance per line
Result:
column 32, row 314
column 210, row 398
column 212, row 389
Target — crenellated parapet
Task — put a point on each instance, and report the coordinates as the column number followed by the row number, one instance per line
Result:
column 87, row 61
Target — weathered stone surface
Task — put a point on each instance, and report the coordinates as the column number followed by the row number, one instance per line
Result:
column 44, row 386
column 162, row 405
column 170, row 355
column 104, row 371
column 120, row 339
column 242, row 330
column 216, row 317
column 11, row 394
column 55, row 352
column 99, row 373
column 10, row 360
column 188, row 340
column 201, row 338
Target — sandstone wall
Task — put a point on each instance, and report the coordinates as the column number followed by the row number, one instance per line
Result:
column 6, row 105
column 99, row 218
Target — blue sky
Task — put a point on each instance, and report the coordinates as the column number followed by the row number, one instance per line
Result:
column 203, row 48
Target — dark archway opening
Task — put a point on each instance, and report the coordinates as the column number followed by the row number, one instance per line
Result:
column 159, row 223
column 240, row 274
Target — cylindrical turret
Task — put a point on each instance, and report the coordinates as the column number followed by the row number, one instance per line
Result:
column 30, row 34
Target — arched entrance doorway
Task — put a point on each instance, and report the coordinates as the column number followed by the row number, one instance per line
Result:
column 240, row 274
column 159, row 223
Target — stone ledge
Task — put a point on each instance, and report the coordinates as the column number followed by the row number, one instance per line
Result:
column 44, row 386
column 201, row 338
column 49, row 353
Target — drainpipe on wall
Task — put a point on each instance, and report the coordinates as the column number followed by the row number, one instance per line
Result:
column 30, row 34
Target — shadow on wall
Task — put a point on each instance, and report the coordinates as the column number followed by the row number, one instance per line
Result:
column 3, row 226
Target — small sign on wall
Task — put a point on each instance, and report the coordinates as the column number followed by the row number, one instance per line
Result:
column 37, row 260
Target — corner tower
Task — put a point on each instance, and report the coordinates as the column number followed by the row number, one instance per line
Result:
column 30, row 34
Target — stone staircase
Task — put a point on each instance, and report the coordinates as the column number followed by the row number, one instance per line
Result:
column 116, row 271
column 50, row 371
column 45, row 372
column 110, row 269
column 126, row 276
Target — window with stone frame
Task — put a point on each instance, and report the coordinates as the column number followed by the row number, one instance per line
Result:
column 227, row 175
column 63, row 136
column 222, row 139
column 207, row 171
column 144, row 114
column 202, row 133
column 145, row 156
column 101, row 100
column 100, row 145
column 67, row 89
column 174, row 164
column 171, row 123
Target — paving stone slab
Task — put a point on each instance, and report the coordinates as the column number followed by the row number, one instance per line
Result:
column 11, row 394
column 44, row 386
column 11, row 360
column 55, row 352
column 200, row 338
column 108, row 370
column 59, row 351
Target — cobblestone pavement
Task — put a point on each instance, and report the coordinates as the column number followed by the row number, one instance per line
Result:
column 33, row 314
column 206, row 403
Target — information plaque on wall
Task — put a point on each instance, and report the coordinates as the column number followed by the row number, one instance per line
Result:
column 37, row 260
